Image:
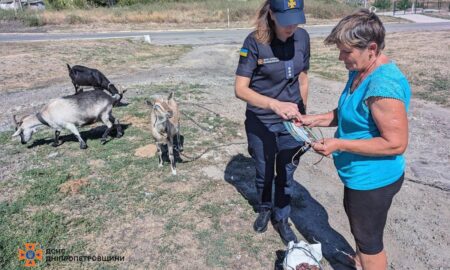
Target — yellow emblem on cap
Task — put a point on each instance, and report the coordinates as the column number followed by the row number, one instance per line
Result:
column 292, row 4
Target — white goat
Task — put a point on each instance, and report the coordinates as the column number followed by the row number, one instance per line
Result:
column 70, row 112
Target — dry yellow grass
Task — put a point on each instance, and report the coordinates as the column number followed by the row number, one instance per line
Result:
column 165, row 14
column 422, row 56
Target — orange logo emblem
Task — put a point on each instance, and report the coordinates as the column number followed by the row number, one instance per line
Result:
column 30, row 254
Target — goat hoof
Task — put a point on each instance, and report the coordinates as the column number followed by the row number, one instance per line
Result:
column 174, row 172
column 103, row 141
column 160, row 165
column 83, row 146
column 55, row 144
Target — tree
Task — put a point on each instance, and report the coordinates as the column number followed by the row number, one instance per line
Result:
column 382, row 4
column 403, row 4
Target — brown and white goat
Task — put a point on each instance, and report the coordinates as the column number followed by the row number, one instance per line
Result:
column 70, row 112
column 164, row 126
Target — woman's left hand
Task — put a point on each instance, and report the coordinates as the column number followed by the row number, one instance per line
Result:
column 326, row 146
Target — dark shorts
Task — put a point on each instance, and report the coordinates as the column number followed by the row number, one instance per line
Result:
column 367, row 212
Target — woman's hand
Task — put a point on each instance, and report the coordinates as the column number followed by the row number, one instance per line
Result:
column 328, row 119
column 307, row 120
column 286, row 110
column 327, row 146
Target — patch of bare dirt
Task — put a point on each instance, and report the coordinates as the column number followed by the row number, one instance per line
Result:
column 141, row 123
column 146, row 151
column 73, row 186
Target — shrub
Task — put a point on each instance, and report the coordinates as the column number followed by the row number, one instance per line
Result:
column 403, row 4
column 33, row 20
column 80, row 4
column 382, row 4
column 75, row 19
column 57, row 4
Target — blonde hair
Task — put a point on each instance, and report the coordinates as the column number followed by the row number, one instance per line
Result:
column 358, row 30
column 265, row 27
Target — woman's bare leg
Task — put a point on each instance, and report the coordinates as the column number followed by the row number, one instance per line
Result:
column 373, row 262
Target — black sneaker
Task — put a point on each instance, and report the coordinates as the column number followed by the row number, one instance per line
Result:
column 284, row 230
column 261, row 221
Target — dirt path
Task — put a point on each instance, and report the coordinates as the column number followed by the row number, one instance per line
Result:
column 417, row 235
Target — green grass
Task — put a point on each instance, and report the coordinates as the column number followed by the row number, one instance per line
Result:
column 218, row 247
column 118, row 190
column 436, row 89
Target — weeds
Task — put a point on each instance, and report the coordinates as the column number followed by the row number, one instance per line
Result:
column 185, row 13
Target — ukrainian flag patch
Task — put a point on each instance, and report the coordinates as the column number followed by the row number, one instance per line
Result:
column 243, row 52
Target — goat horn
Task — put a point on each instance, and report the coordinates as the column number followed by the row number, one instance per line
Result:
column 14, row 119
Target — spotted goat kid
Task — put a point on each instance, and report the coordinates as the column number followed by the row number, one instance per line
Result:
column 165, row 126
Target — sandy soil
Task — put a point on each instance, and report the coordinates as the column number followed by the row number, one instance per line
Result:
column 416, row 236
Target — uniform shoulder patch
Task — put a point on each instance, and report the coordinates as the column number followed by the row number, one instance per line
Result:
column 243, row 52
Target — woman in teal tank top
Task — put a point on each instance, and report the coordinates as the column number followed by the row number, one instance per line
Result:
column 372, row 132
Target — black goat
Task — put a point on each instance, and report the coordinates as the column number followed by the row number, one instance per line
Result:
column 84, row 76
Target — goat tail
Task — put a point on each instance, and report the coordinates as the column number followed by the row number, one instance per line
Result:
column 68, row 67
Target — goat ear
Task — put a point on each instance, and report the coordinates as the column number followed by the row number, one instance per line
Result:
column 170, row 96
column 149, row 102
column 17, row 133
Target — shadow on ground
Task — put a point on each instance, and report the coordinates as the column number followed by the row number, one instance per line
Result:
column 92, row 134
column 308, row 215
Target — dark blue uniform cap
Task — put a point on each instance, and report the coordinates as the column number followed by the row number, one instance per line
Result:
column 288, row 12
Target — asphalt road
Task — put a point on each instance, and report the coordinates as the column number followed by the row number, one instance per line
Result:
column 198, row 37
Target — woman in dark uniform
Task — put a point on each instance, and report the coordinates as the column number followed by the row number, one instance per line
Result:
column 272, row 78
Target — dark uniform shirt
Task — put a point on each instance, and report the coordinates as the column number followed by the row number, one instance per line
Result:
column 274, row 68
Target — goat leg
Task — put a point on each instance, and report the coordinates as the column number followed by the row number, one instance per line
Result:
column 56, row 141
column 106, row 119
column 172, row 158
column 159, row 147
column 179, row 143
column 74, row 130
column 105, row 135
column 119, row 132
column 78, row 88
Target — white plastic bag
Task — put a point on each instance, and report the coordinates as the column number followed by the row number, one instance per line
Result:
column 302, row 252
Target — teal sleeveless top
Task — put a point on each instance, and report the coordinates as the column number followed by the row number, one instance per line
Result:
column 355, row 122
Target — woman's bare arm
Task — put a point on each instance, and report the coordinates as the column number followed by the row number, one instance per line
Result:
column 392, row 122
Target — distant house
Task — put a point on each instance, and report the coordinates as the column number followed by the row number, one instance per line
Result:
column 15, row 4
